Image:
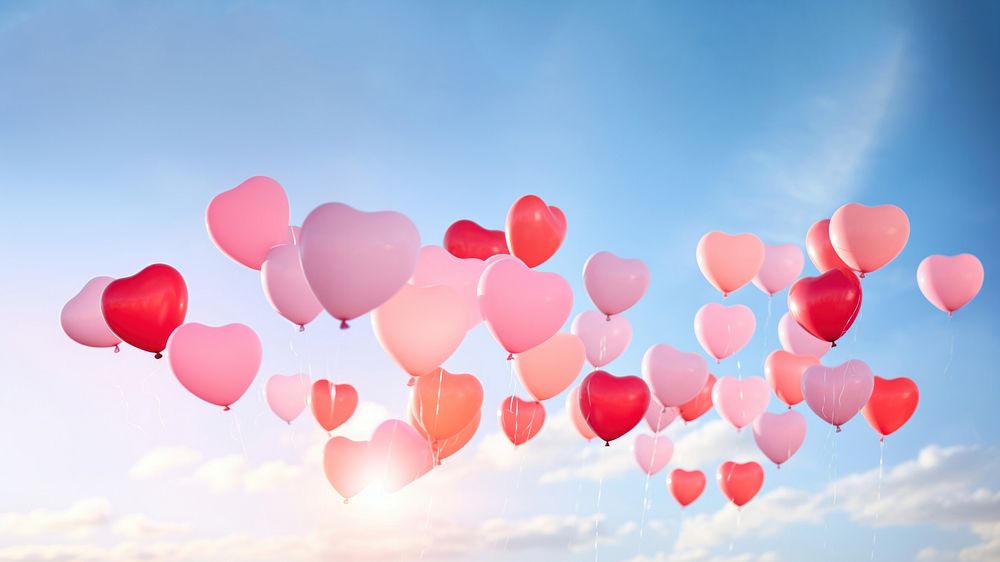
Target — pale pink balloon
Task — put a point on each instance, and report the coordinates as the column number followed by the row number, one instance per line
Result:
column 248, row 220
column 354, row 260
column 950, row 282
column 420, row 327
column 400, row 454
column 550, row 367
column 436, row 266
column 285, row 286
column 729, row 261
column 287, row 395
column 867, row 238
column 604, row 339
column 838, row 393
column 576, row 416
column 216, row 364
column 674, row 377
column 82, row 319
column 615, row 284
column 652, row 452
column 782, row 265
column 294, row 235
column 658, row 416
column 522, row 307
column 740, row 401
column 795, row 339
column 779, row 436
column 724, row 330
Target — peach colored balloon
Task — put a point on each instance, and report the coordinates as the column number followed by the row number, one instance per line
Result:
column 658, row 416
column 443, row 403
column 450, row 446
column 950, row 282
column 549, row 368
column 216, row 364
column 783, row 371
column 287, row 395
column 867, row 238
column 285, row 286
column 82, row 319
column 820, row 251
column 738, row 401
column 729, row 261
column 837, row 394
column 779, row 436
column 795, row 339
column 349, row 465
column 615, row 284
column 673, row 376
column 436, row 266
column 782, row 265
column 248, row 220
column 652, row 452
column 576, row 416
column 603, row 338
column 724, row 330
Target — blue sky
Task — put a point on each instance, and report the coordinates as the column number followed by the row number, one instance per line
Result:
column 648, row 123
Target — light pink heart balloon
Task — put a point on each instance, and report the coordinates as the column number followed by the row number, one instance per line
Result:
column 739, row 402
column 604, row 339
column 287, row 395
column 838, row 393
column 349, row 465
column 550, row 367
column 354, row 260
column 615, row 284
column 82, row 319
column 436, row 266
column 285, row 286
column 652, row 452
column 400, row 454
column 216, row 364
column 950, row 282
column 294, row 235
column 724, row 330
column 867, row 238
column 522, row 307
column 795, row 339
column 729, row 261
column 659, row 417
column 576, row 416
column 674, row 377
column 782, row 265
column 248, row 220
column 779, row 436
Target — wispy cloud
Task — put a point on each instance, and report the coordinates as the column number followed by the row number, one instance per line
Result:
column 78, row 520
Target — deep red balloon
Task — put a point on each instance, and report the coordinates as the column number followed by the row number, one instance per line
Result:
column 891, row 405
column 740, row 482
column 466, row 239
column 820, row 250
column 144, row 309
column 534, row 230
column 613, row 405
column 686, row 485
column 520, row 419
column 827, row 305
column 332, row 405
column 697, row 406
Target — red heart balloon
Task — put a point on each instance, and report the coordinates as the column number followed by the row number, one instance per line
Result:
column 827, row 305
column 697, row 406
column 144, row 309
column 349, row 465
column 521, row 420
column 819, row 248
column 613, row 405
column 740, row 482
column 534, row 230
column 332, row 405
column 891, row 405
column 466, row 239
column 686, row 485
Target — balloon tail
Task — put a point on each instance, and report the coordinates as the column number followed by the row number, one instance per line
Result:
column 510, row 357
column 839, row 429
column 346, row 501
column 302, row 327
column 778, row 466
column 344, row 325
column 117, row 349
column 862, row 275
column 607, row 443
column 225, row 409
column 833, row 344
column 412, row 381
column 607, row 318
column 158, row 356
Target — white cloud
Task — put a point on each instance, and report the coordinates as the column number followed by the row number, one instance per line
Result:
column 708, row 444
column 232, row 472
column 139, row 526
column 222, row 474
column 270, row 475
column 162, row 460
column 78, row 520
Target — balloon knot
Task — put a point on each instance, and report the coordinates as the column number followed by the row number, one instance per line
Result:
column 225, row 409
column 881, row 439
column 862, row 274
column 117, row 349
column 950, row 312
column 778, row 465
column 838, row 429
column 607, row 443
column 607, row 318
column 439, row 462
column 412, row 381
column 725, row 295
column 346, row 501
column 302, row 327
column 833, row 344
column 664, row 410
column 510, row 357
column 344, row 325
column 158, row 356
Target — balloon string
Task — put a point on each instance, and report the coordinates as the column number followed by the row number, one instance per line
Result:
column 427, row 523
column 126, row 408
column 645, row 493
column 951, row 349
column 239, row 436
column 517, row 488
column 878, row 493
column 146, row 391
column 767, row 321
column 597, row 517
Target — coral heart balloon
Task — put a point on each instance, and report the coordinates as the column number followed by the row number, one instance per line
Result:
column 466, row 239
column 448, row 447
column 826, row 306
column 144, row 309
column 729, row 261
column 891, row 404
column 522, row 308
column 576, row 416
column 740, row 482
column 436, row 266
column 248, row 220
column 332, row 405
column 738, row 401
column 658, row 416
column 820, row 250
column 652, row 452
column 795, row 339
column 604, row 339
column 783, row 372
column 724, row 330
column 615, row 284
column 354, row 260
column 215, row 364
column 686, row 485
column 399, row 454
column 782, row 265
column 349, row 466
column 673, row 376
column 613, row 405
column 444, row 403
column 550, row 367
column 82, row 319
column 779, row 436
column 950, row 282
column 836, row 394
column 520, row 420
column 697, row 406
column 287, row 395
column 534, row 230
column 867, row 238
column 286, row 287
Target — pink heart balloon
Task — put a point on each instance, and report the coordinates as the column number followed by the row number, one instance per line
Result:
column 354, row 260
column 795, row 339
column 867, row 238
column 604, row 339
column 83, row 320
column 216, row 364
column 615, row 284
column 248, row 220
column 729, row 261
column 783, row 371
column 782, row 265
column 652, row 452
column 836, row 394
column 549, row 368
column 779, row 436
column 659, row 417
column 673, row 376
column 724, row 330
column 522, row 307
column 400, row 454
column 287, row 395
column 349, row 465
column 576, row 416
column 436, row 266
column 950, row 282
column 740, row 401
column 285, row 286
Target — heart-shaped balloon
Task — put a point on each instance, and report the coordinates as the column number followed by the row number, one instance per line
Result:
column 724, row 330
column 82, row 319
column 144, row 309
column 285, row 286
column 466, row 239
column 783, row 372
column 820, row 250
column 534, row 230
column 521, row 307
column 674, row 377
column 576, row 416
column 248, row 220
column 287, row 395
column 349, row 465
column 779, row 436
column 332, row 405
column 740, row 482
column 448, row 447
column 436, row 266
column 615, row 284
column 826, row 306
column 950, row 282
column 613, row 405
column 216, row 364
column 740, row 401
column 795, row 339
column 444, row 403
column 782, row 265
column 603, row 338
column 836, row 394
column 550, row 367
column 867, row 238
column 354, row 260
column 686, row 485
column 652, row 452
column 520, row 420
column 729, row 261
column 400, row 454
column 697, row 406
column 891, row 404
column 658, row 416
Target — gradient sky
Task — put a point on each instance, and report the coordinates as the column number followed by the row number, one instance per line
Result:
column 648, row 123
